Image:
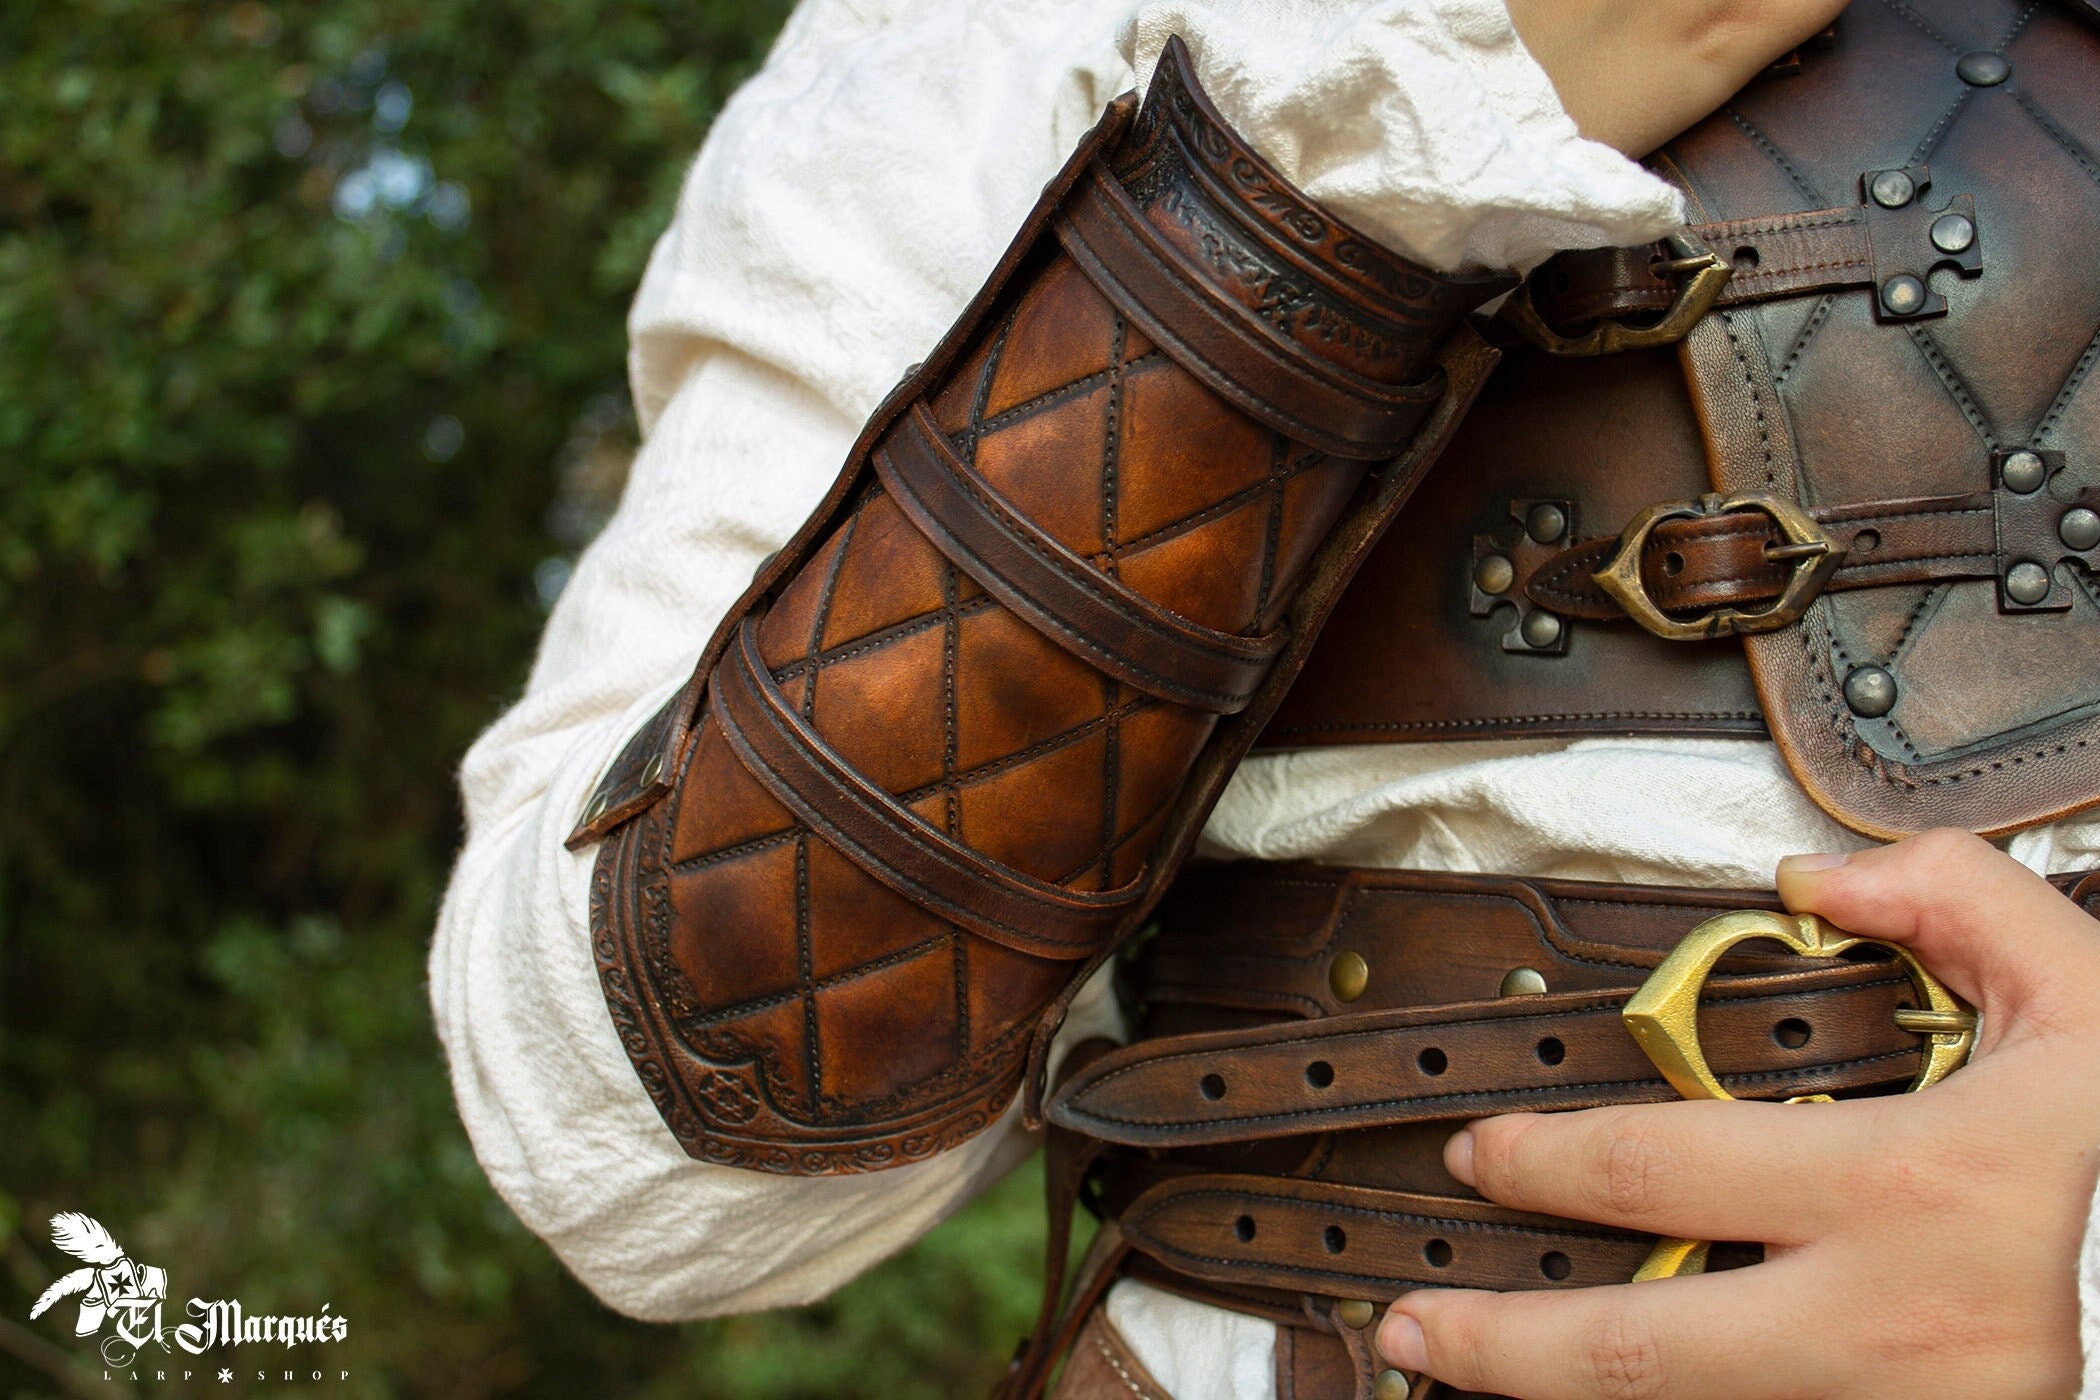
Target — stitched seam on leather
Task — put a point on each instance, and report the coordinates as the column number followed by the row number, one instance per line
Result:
column 756, row 844
column 1777, row 156
column 1757, row 402
column 1930, row 141
column 1129, row 1382
column 1952, row 382
column 753, row 1005
column 1922, row 27
column 2062, row 138
column 1460, row 1223
column 1808, row 333
column 2064, row 396
column 2018, row 25
column 1064, row 393
column 882, row 638
column 1238, row 500
column 1064, row 739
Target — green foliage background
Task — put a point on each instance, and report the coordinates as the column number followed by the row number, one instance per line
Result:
column 311, row 338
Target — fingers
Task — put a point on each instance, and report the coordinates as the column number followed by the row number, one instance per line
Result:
column 1983, row 923
column 1694, row 1170
column 1717, row 1337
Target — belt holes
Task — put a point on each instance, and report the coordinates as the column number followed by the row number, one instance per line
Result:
column 1335, row 1238
column 1433, row 1061
column 1673, row 563
column 1319, row 1074
column 1746, row 259
column 1551, row 1051
column 1866, row 542
column 1244, row 1229
column 1555, row 1265
column 1793, row 1032
column 1211, row 1086
column 1438, row 1253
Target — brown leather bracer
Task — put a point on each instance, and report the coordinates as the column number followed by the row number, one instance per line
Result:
column 942, row 756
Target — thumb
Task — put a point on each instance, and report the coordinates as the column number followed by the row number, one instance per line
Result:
column 1981, row 922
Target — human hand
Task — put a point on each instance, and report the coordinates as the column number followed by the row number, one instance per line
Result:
column 1634, row 73
column 1919, row 1244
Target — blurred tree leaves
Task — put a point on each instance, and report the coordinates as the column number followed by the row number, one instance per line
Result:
column 311, row 341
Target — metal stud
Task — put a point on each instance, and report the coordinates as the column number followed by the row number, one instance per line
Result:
column 1892, row 189
column 2080, row 528
column 653, row 769
column 1523, row 982
column 2024, row 473
column 1540, row 629
column 1982, row 69
column 1870, row 691
column 1953, row 233
column 595, row 809
column 1494, row 574
column 2027, row 583
column 1545, row 522
column 1391, row 1385
column 1356, row 1313
column 1902, row 295
column 1347, row 976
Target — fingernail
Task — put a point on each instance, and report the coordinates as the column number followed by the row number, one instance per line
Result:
column 1821, row 860
column 1458, row 1155
column 1400, row 1343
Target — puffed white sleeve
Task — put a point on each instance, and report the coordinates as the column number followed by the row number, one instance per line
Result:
column 849, row 200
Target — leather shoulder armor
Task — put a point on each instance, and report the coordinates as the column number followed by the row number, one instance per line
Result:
column 1883, row 483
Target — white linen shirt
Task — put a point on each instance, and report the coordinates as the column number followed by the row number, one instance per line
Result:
column 849, row 200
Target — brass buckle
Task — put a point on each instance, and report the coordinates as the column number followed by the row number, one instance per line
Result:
column 1663, row 1017
column 1701, row 275
column 1810, row 550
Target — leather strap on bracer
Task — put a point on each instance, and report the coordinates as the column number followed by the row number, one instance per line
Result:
column 941, row 757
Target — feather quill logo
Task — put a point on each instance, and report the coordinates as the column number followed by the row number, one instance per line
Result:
column 121, row 1303
column 116, row 1291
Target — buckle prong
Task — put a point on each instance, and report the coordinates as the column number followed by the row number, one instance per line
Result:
column 1811, row 551
column 1663, row 1017
column 1700, row 273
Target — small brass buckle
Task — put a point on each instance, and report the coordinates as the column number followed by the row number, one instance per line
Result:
column 1700, row 274
column 1663, row 1017
column 1807, row 547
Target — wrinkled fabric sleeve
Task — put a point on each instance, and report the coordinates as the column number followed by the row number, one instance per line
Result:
column 849, row 200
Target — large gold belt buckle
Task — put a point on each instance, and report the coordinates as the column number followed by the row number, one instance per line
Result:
column 1664, row 1019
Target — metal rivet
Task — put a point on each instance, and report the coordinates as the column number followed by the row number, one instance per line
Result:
column 2080, row 528
column 1953, row 233
column 1356, row 1313
column 1902, row 295
column 1892, row 189
column 1494, row 574
column 1391, row 1385
column 1347, row 976
column 653, row 769
column 2024, row 472
column 1545, row 522
column 1524, row 982
column 1540, row 629
column 1982, row 69
column 2027, row 582
column 1870, row 691
column 595, row 809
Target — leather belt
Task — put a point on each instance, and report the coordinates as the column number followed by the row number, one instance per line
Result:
column 1312, row 1034
column 1728, row 560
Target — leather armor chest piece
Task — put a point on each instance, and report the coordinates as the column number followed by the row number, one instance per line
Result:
column 1904, row 350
